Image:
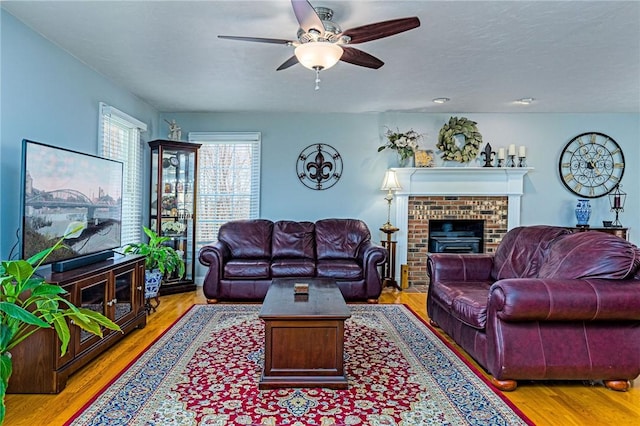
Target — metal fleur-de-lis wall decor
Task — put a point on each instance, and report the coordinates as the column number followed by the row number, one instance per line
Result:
column 319, row 166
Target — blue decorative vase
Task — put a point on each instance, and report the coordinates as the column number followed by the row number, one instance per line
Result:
column 152, row 281
column 583, row 212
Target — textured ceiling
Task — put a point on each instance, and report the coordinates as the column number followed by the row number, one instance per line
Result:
column 571, row 56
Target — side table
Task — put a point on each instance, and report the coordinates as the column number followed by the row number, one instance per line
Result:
column 617, row 231
column 389, row 267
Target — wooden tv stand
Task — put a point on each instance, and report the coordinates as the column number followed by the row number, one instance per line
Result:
column 115, row 288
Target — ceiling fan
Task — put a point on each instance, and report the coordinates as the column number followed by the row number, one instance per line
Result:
column 321, row 42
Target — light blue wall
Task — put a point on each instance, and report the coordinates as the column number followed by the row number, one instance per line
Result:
column 357, row 137
column 284, row 136
column 48, row 96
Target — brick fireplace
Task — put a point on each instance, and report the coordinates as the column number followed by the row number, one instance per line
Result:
column 422, row 209
column 492, row 195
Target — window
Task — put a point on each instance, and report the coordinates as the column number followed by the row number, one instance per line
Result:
column 119, row 139
column 228, row 181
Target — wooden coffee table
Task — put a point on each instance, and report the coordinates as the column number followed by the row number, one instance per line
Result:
column 304, row 335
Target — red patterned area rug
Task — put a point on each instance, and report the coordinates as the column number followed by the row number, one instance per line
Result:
column 205, row 369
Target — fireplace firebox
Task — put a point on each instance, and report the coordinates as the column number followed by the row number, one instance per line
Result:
column 456, row 236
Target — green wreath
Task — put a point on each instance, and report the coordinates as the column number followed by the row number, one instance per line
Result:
column 447, row 142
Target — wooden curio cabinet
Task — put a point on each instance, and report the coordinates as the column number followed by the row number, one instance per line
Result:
column 172, row 209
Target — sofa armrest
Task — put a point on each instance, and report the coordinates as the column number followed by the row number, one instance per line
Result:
column 370, row 257
column 459, row 267
column 369, row 252
column 214, row 256
column 533, row 299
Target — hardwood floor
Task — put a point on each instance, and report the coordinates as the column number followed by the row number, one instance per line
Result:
column 561, row 404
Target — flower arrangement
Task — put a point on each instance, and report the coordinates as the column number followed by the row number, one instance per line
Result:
column 173, row 227
column 405, row 144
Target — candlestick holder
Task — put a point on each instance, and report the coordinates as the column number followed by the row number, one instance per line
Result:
column 616, row 223
column 511, row 162
column 617, row 198
column 522, row 162
column 500, row 162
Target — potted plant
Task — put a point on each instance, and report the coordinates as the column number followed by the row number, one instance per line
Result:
column 160, row 260
column 28, row 303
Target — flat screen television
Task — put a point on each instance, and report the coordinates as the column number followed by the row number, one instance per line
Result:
column 65, row 190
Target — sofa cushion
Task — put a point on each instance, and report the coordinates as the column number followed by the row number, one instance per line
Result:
column 293, row 240
column 341, row 269
column 247, row 268
column 247, row 238
column 293, row 268
column 340, row 238
column 471, row 307
column 591, row 254
column 523, row 249
column 465, row 300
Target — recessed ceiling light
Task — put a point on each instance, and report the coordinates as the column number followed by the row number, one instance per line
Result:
column 441, row 100
column 524, row 101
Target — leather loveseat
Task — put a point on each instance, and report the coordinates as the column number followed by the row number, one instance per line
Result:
column 549, row 305
column 250, row 253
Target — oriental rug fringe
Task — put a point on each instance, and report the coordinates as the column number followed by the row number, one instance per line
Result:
column 205, row 370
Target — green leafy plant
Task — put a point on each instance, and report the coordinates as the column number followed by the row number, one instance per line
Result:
column 157, row 254
column 28, row 303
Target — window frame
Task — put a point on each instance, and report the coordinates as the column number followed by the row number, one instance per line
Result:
column 254, row 140
column 130, row 151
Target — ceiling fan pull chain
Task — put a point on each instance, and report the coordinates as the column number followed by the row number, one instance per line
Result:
column 317, row 78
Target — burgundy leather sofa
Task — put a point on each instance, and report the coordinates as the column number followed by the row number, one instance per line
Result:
column 549, row 305
column 250, row 253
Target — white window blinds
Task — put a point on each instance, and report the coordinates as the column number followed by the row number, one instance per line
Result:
column 228, row 180
column 119, row 139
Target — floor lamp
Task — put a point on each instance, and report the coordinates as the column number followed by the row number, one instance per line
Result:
column 390, row 184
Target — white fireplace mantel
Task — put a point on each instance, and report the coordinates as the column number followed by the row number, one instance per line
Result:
column 456, row 181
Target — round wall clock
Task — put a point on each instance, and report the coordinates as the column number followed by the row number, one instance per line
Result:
column 319, row 166
column 591, row 165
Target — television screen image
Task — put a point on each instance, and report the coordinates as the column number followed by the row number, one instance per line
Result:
column 69, row 193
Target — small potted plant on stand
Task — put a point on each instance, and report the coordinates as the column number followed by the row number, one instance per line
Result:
column 160, row 260
column 28, row 303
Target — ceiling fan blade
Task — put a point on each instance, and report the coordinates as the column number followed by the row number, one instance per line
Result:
column 358, row 57
column 288, row 63
column 257, row 39
column 307, row 16
column 381, row 29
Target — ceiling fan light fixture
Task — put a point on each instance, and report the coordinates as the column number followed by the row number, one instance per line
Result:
column 318, row 54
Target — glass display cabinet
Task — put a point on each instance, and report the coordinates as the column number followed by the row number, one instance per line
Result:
column 172, row 210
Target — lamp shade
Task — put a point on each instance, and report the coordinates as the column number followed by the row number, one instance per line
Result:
column 390, row 182
column 318, row 54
